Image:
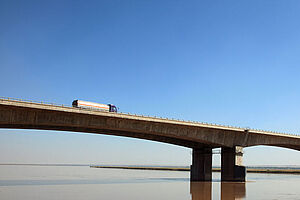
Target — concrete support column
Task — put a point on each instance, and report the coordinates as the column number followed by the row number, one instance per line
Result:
column 231, row 164
column 201, row 168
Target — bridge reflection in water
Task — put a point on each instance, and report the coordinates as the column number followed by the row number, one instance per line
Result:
column 229, row 190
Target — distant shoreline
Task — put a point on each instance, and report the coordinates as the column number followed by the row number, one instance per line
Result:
column 214, row 169
column 50, row 165
column 250, row 169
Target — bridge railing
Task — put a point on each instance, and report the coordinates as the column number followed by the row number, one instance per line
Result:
column 30, row 101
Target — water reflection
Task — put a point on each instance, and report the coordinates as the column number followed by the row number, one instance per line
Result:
column 229, row 191
column 200, row 190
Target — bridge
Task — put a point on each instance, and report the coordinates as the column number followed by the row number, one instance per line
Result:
column 201, row 137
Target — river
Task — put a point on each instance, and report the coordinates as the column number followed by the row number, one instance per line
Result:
column 83, row 182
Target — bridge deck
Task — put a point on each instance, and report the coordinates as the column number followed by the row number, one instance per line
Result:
column 65, row 108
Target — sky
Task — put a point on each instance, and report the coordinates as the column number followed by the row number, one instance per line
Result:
column 226, row 62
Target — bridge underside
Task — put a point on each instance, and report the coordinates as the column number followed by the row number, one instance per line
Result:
column 157, row 138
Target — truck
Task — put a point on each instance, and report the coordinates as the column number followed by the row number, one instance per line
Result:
column 94, row 106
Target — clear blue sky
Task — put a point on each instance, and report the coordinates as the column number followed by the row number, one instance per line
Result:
column 227, row 62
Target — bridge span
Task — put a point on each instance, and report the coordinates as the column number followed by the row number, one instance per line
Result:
column 201, row 137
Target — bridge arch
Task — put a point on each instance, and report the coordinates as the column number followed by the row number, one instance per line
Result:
column 149, row 137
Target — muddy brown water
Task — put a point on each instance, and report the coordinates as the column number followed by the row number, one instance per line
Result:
column 83, row 182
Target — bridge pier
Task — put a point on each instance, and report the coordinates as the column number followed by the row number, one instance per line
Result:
column 201, row 168
column 231, row 164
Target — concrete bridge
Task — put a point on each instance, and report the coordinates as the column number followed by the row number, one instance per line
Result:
column 201, row 137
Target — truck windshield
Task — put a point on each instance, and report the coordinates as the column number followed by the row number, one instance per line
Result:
column 113, row 109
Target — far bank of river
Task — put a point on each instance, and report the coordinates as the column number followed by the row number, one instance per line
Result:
column 271, row 170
